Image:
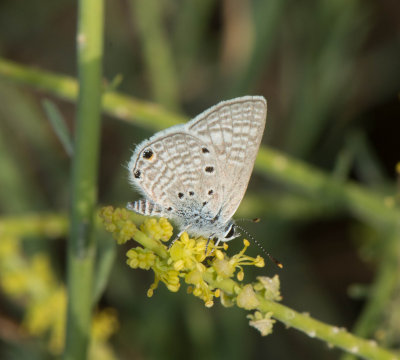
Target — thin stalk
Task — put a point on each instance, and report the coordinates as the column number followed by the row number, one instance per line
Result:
column 266, row 17
column 158, row 57
column 364, row 203
column 81, row 244
column 381, row 291
column 143, row 113
column 19, row 191
column 34, row 225
column 190, row 33
column 332, row 335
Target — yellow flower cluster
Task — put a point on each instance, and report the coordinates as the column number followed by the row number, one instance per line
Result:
column 186, row 259
column 159, row 229
column 105, row 324
column 47, row 314
column 16, row 279
column 225, row 267
column 119, row 222
column 140, row 258
column 186, row 256
column 31, row 282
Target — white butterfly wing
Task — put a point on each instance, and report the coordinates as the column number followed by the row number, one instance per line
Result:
column 234, row 130
column 174, row 168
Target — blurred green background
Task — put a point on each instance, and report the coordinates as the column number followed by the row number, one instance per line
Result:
column 330, row 72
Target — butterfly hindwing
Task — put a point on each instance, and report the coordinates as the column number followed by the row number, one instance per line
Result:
column 234, row 129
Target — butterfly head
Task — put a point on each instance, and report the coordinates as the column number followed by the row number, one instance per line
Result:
column 230, row 232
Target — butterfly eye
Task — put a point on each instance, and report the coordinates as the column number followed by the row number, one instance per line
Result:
column 231, row 232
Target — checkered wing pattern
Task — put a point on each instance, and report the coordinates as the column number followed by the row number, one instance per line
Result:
column 234, row 130
column 174, row 170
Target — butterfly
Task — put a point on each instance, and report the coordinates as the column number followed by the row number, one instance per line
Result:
column 197, row 173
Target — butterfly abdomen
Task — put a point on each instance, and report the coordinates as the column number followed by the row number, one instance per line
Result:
column 145, row 207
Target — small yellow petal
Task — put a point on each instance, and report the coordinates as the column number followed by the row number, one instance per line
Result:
column 184, row 237
column 179, row 265
column 219, row 254
column 240, row 275
column 209, row 303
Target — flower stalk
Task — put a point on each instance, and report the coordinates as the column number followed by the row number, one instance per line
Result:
column 81, row 244
column 211, row 276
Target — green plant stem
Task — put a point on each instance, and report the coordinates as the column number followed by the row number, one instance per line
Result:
column 362, row 202
column 266, row 17
column 53, row 225
column 193, row 18
column 81, row 244
column 325, row 68
column 158, row 57
column 47, row 225
column 332, row 335
column 59, row 125
column 387, row 278
column 19, row 192
column 146, row 114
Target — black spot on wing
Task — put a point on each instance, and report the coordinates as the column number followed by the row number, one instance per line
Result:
column 148, row 154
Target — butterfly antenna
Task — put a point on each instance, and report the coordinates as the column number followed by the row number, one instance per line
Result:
column 255, row 220
column 275, row 261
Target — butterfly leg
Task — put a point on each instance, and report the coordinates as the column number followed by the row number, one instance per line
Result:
column 208, row 243
column 177, row 237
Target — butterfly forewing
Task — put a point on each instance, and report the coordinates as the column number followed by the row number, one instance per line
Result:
column 175, row 169
column 234, row 130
